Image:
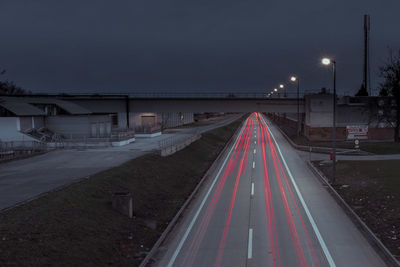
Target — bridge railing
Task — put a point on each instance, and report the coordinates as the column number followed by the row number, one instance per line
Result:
column 211, row 95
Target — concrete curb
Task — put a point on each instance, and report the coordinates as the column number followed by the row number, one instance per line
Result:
column 174, row 221
column 379, row 247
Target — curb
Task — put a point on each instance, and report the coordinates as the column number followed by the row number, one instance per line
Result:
column 147, row 260
column 379, row 247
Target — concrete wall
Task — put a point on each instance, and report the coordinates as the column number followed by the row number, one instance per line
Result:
column 174, row 119
column 10, row 130
column 80, row 126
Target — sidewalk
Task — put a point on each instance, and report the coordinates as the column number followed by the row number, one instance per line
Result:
column 24, row 179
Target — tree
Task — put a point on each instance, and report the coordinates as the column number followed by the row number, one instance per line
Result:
column 9, row 88
column 363, row 91
column 390, row 86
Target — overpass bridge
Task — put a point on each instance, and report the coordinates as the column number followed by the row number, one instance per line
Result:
column 193, row 102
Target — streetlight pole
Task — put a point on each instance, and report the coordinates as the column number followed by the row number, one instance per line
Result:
column 284, row 90
column 327, row 61
column 294, row 79
column 334, row 124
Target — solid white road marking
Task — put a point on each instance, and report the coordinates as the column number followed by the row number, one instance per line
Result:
column 252, row 189
column 254, row 164
column 250, row 246
column 178, row 249
column 303, row 203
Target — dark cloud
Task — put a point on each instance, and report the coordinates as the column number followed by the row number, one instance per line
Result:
column 123, row 46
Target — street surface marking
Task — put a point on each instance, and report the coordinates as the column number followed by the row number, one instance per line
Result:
column 250, row 246
column 252, row 189
column 303, row 203
column 178, row 249
column 254, row 151
column 254, row 164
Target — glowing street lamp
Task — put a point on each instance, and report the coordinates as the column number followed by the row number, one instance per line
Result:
column 282, row 87
column 327, row 61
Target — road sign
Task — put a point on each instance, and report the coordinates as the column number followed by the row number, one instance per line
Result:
column 357, row 132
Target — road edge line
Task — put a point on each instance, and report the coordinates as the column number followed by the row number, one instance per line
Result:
column 174, row 220
column 321, row 241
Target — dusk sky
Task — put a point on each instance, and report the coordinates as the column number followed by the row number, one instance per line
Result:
column 179, row 45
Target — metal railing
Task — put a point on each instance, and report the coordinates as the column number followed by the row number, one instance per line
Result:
column 17, row 149
column 178, row 139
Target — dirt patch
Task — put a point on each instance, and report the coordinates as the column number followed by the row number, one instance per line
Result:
column 372, row 189
column 77, row 226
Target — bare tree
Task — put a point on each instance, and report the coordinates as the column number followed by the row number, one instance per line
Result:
column 9, row 88
column 390, row 72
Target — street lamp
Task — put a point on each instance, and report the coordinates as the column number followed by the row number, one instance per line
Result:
column 284, row 91
column 328, row 61
column 294, row 79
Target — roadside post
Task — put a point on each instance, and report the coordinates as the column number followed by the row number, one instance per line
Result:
column 356, row 144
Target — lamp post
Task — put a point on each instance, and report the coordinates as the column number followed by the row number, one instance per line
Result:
column 328, row 61
column 294, row 79
column 284, row 91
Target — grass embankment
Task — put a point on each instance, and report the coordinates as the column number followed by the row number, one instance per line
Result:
column 77, row 226
column 380, row 148
column 372, row 189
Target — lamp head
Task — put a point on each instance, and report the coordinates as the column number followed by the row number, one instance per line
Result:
column 293, row 78
column 326, row 61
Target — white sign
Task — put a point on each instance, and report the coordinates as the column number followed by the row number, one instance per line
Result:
column 357, row 132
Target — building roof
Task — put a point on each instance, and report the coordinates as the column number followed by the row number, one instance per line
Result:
column 22, row 109
column 24, row 106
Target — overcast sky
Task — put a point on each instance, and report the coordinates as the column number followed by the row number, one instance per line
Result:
column 182, row 45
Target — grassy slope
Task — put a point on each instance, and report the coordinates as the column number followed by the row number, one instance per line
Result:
column 76, row 226
column 372, row 189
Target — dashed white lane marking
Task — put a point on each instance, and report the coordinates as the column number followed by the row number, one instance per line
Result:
column 254, row 164
column 252, row 189
column 178, row 249
column 250, row 246
column 321, row 241
column 255, row 142
column 254, row 151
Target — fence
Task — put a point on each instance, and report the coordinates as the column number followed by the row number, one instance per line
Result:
column 173, row 144
column 18, row 149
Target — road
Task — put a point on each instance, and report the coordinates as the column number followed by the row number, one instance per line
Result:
column 25, row 179
column 263, row 207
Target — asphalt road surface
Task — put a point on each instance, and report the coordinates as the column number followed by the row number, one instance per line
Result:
column 263, row 207
column 25, row 179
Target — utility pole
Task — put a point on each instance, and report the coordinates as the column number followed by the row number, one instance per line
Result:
column 366, row 76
